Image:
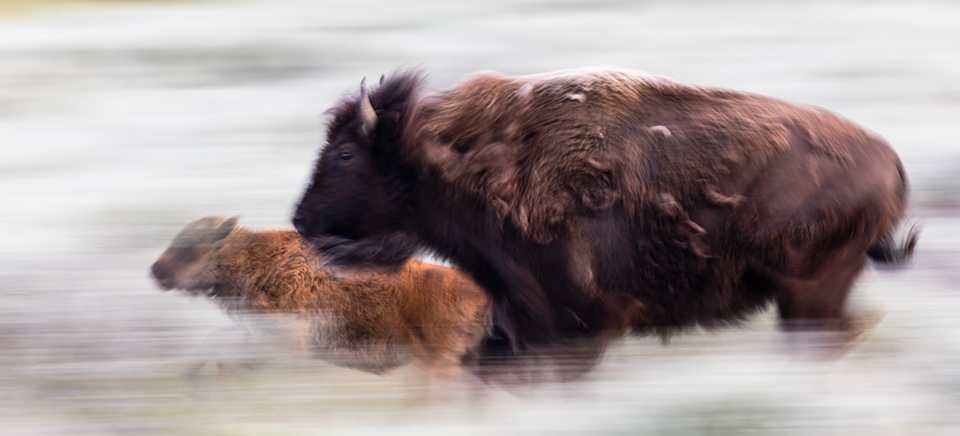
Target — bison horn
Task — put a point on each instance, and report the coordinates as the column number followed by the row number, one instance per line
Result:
column 367, row 114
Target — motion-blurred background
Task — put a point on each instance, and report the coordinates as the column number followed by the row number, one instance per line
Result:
column 121, row 121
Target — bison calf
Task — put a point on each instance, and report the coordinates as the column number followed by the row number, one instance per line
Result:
column 368, row 320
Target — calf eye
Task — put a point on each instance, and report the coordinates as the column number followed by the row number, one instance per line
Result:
column 344, row 156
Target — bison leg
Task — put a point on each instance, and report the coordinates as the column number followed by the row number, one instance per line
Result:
column 819, row 304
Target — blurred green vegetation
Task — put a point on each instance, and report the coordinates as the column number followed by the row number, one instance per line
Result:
column 10, row 8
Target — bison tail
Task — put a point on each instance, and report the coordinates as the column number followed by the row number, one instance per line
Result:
column 889, row 252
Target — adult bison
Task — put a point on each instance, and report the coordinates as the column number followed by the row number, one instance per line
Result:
column 593, row 203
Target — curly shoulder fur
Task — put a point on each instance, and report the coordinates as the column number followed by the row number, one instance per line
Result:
column 545, row 147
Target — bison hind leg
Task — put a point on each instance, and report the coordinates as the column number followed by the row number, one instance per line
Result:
column 814, row 310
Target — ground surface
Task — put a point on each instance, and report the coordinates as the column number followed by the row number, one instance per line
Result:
column 122, row 121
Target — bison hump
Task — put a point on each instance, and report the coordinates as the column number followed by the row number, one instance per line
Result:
column 540, row 149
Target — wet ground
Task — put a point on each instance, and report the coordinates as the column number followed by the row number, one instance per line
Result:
column 121, row 122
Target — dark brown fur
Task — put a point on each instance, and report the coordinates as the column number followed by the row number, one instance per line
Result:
column 588, row 203
column 369, row 320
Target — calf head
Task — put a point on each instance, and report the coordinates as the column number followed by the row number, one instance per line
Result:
column 189, row 262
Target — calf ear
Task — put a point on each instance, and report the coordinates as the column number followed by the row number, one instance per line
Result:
column 225, row 228
column 367, row 114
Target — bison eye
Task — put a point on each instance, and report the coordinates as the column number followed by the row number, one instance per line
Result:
column 344, row 156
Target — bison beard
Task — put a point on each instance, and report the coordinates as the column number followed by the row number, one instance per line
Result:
column 391, row 249
column 590, row 204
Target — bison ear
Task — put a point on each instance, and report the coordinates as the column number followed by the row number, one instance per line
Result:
column 226, row 228
column 367, row 115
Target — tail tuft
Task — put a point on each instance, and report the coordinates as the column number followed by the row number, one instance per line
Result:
column 889, row 252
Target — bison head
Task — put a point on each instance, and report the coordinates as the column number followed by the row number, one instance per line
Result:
column 189, row 262
column 356, row 207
